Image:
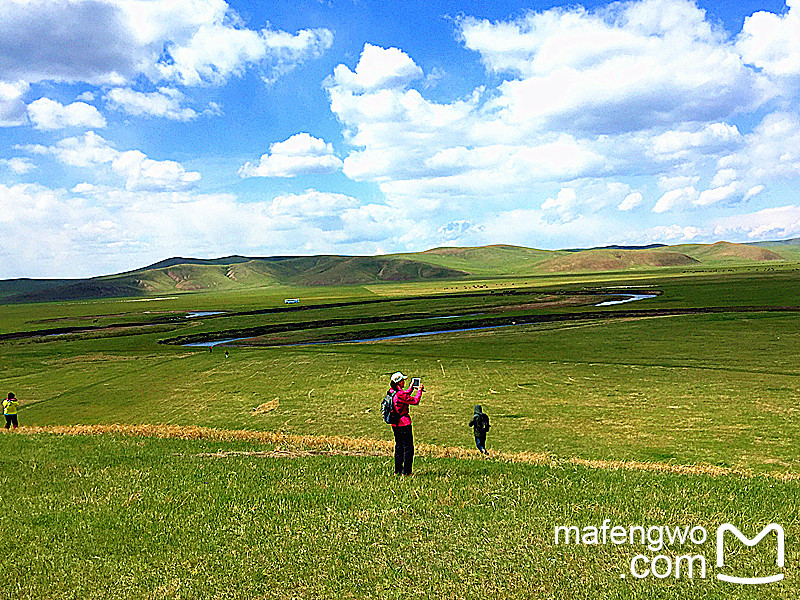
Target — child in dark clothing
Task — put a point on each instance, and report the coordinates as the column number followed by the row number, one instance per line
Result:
column 480, row 421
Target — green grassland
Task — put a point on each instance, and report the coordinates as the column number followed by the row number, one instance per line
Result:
column 119, row 517
column 639, row 381
column 705, row 373
column 702, row 388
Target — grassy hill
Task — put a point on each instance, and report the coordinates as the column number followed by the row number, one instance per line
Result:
column 190, row 275
column 620, row 259
column 495, row 260
column 503, row 260
column 179, row 274
column 15, row 287
column 789, row 249
column 616, row 260
column 728, row 252
column 343, row 270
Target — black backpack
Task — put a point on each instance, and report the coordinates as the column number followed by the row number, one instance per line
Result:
column 482, row 423
column 389, row 412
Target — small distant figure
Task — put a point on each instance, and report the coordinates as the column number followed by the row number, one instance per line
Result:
column 227, row 354
column 10, row 408
column 210, row 349
column 480, row 421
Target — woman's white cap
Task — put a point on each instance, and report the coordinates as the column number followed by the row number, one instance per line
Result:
column 398, row 377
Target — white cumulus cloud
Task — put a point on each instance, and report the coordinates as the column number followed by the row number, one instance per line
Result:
column 625, row 67
column 166, row 102
column 138, row 171
column 713, row 137
column 676, row 198
column 115, row 41
column 12, row 105
column 47, row 114
column 771, row 151
column 301, row 154
column 631, row 201
column 379, row 68
column 643, row 86
column 18, row 165
column 769, row 41
column 673, row 234
column 414, row 147
column 767, row 224
column 718, row 194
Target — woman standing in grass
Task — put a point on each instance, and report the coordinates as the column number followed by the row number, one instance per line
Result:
column 10, row 407
column 403, row 438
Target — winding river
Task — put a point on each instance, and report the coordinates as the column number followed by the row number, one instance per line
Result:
column 625, row 299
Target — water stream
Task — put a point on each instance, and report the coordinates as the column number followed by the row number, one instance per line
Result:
column 627, row 298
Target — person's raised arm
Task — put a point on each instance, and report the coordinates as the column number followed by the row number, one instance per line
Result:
column 405, row 396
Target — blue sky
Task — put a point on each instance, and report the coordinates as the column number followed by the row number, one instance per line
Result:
column 136, row 130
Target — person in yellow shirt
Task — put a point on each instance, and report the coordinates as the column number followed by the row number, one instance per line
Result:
column 10, row 407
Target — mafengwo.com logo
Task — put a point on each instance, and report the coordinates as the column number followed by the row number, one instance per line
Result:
column 651, row 559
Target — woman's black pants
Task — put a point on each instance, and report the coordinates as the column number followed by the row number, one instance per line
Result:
column 403, row 450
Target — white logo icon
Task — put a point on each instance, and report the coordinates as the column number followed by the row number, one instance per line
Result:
column 748, row 542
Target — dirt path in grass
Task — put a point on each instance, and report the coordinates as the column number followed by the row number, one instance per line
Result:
column 294, row 446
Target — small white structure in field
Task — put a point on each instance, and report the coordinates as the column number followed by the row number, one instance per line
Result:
column 292, row 301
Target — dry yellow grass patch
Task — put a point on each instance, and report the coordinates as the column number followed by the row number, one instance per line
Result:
column 266, row 407
column 290, row 446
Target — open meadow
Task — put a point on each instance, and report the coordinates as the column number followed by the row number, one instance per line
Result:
column 232, row 228
column 677, row 410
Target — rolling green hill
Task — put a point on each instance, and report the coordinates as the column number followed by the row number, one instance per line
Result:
column 191, row 275
column 503, row 260
column 728, row 252
column 616, row 260
column 342, row 270
column 15, row 287
column 620, row 259
column 177, row 275
column 789, row 249
column 495, row 260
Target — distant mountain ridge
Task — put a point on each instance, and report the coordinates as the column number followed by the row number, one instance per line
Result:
column 180, row 274
column 190, row 274
column 225, row 260
column 616, row 247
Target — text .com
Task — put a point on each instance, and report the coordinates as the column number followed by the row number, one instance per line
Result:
column 689, row 565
